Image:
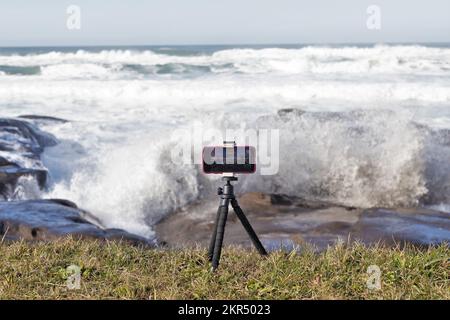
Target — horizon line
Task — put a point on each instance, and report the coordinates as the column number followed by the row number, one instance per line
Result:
column 230, row 44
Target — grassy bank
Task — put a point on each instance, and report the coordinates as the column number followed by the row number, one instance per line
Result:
column 114, row 270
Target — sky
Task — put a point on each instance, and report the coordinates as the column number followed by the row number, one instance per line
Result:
column 172, row 22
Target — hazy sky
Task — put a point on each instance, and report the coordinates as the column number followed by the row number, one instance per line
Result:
column 114, row 22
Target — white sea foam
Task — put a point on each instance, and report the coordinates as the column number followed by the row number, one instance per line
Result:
column 379, row 59
column 123, row 106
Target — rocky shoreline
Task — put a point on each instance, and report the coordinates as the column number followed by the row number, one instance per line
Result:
column 280, row 220
column 21, row 145
column 47, row 220
column 286, row 222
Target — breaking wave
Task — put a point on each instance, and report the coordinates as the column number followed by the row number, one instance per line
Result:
column 315, row 60
column 359, row 158
column 361, row 126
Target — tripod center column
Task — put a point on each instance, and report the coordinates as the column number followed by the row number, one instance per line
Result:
column 228, row 190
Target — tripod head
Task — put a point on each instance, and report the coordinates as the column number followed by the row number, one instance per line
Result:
column 227, row 190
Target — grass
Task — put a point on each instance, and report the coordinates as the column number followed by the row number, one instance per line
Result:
column 111, row 270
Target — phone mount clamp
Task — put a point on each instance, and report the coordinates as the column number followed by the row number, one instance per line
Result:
column 227, row 197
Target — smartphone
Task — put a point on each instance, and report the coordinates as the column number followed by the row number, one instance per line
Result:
column 237, row 159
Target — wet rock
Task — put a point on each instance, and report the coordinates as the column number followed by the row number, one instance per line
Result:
column 25, row 136
column 44, row 119
column 417, row 226
column 280, row 199
column 47, row 220
column 284, row 222
column 21, row 145
column 289, row 112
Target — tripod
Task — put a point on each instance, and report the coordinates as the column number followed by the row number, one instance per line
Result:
column 226, row 197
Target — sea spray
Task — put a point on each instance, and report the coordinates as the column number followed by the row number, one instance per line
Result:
column 369, row 130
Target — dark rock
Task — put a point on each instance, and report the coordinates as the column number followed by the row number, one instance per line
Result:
column 417, row 226
column 290, row 112
column 43, row 118
column 285, row 200
column 52, row 219
column 9, row 175
column 64, row 202
column 284, row 222
column 28, row 137
column 280, row 199
column 21, row 145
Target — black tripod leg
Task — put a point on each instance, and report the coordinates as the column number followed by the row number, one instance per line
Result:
column 248, row 227
column 223, row 213
column 213, row 238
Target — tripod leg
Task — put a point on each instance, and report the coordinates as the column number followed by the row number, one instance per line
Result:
column 248, row 227
column 213, row 237
column 223, row 213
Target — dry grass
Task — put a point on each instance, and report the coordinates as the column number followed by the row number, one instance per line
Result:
column 119, row 271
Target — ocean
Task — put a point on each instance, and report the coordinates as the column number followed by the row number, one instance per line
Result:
column 360, row 125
